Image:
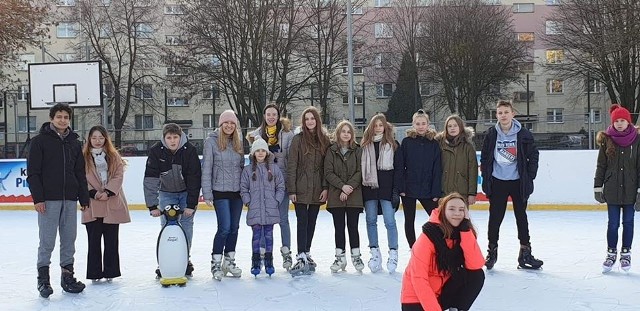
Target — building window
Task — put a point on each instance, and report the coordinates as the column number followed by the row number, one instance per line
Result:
column 147, row 124
column 284, row 30
column 525, row 67
column 22, row 124
column 383, row 30
column 523, row 8
column 357, row 70
column 493, row 2
column 23, row 92
column 67, row 30
column 597, row 115
column 104, row 3
column 177, row 102
column 356, row 10
column 173, row 40
column 176, row 71
column 383, row 60
column 384, row 90
column 144, row 91
column 490, row 116
column 143, row 31
column 552, row 27
column 66, row 57
column 552, row 2
column 555, row 56
column 173, row 9
column 525, row 36
column 383, row 3
column 357, row 100
column 66, row 2
column 593, row 86
column 522, row 96
column 555, row 86
column 554, row 115
column 25, row 60
column 209, row 121
column 424, row 2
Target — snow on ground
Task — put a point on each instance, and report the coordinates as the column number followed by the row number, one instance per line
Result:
column 571, row 243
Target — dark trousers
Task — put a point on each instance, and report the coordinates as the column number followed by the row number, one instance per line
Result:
column 614, row 223
column 101, row 265
column 352, row 215
column 458, row 292
column 502, row 189
column 307, row 215
column 409, row 208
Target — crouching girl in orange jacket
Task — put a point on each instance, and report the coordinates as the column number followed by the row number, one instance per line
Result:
column 445, row 269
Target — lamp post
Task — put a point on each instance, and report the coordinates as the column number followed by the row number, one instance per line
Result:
column 352, row 113
column 589, row 109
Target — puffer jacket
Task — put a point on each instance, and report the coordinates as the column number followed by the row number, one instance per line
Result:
column 620, row 174
column 221, row 169
column 340, row 170
column 305, row 173
column 261, row 195
column 459, row 164
column 422, row 282
column 419, row 166
column 285, row 136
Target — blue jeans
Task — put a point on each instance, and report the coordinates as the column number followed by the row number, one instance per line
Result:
column 614, row 224
column 388, row 213
column 285, row 229
column 228, row 212
column 180, row 198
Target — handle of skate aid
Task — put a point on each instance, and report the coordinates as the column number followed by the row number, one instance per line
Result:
column 171, row 210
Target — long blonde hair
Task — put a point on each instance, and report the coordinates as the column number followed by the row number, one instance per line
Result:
column 336, row 133
column 370, row 131
column 223, row 140
column 112, row 154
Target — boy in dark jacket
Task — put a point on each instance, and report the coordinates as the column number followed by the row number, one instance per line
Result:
column 509, row 164
column 172, row 176
column 57, row 181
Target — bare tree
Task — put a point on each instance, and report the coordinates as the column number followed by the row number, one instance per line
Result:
column 22, row 24
column 122, row 36
column 600, row 38
column 470, row 53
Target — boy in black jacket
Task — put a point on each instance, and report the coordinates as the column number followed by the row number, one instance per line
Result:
column 172, row 176
column 57, row 181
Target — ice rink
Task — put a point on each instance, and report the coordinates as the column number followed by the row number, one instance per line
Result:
column 572, row 244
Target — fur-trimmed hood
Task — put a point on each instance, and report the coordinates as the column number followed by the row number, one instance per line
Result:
column 602, row 136
column 468, row 135
column 430, row 134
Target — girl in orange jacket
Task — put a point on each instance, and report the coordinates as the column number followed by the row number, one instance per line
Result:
column 445, row 269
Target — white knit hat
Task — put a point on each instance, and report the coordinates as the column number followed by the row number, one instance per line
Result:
column 259, row 144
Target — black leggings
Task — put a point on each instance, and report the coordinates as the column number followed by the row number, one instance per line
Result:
column 352, row 216
column 307, row 215
column 409, row 208
column 458, row 292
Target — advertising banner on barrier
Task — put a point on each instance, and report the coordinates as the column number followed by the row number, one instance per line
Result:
column 13, row 182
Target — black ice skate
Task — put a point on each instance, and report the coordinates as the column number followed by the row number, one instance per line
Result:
column 189, row 271
column 68, row 282
column 492, row 256
column 526, row 259
column 268, row 263
column 44, row 286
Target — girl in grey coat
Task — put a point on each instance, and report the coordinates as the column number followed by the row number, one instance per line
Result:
column 262, row 190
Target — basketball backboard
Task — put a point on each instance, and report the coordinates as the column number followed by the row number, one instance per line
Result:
column 75, row 83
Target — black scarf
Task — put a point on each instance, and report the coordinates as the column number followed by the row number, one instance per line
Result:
column 449, row 260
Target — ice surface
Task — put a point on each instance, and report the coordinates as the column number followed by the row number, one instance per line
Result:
column 572, row 244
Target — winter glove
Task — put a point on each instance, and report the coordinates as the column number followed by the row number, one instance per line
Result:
column 637, row 205
column 599, row 196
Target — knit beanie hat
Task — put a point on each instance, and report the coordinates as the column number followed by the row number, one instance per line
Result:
column 228, row 116
column 259, row 144
column 619, row 112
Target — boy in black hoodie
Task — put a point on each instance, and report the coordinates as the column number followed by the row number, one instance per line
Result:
column 172, row 176
column 57, row 181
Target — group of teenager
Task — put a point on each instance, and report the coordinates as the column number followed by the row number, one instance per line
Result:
column 310, row 167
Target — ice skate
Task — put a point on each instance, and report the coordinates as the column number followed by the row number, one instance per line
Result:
column 268, row 263
column 286, row 258
column 356, row 259
column 625, row 259
column 392, row 262
column 375, row 262
column 492, row 256
column 340, row 263
column 189, row 271
column 301, row 267
column 526, row 259
column 256, row 264
column 44, row 285
column 68, row 282
column 229, row 265
column 216, row 267
column 610, row 260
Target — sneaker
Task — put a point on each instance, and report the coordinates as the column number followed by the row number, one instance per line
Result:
column 287, row 262
column 610, row 260
column 375, row 262
column 392, row 262
column 625, row 259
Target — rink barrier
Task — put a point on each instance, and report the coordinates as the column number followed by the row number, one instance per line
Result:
column 564, row 182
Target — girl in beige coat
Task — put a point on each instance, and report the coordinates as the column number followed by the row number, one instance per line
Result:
column 108, row 206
